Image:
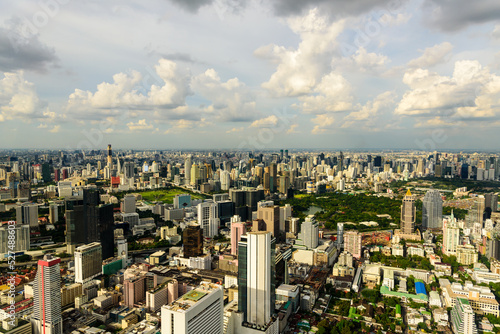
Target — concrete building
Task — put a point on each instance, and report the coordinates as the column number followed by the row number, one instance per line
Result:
column 27, row 213
column 432, row 210
column 309, row 233
column 197, row 312
column 451, row 236
column 408, row 214
column 462, row 318
column 352, row 243
column 46, row 316
column 237, row 230
column 466, row 254
column 208, row 219
column 128, row 203
column 22, row 240
column 480, row 298
column 88, row 263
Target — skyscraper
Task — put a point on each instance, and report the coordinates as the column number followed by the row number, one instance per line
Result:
column 256, row 277
column 462, row 317
column 271, row 216
column 46, row 317
column 352, row 243
column 408, row 213
column 88, row 262
column 340, row 235
column 87, row 222
column 193, row 241
column 432, row 210
column 309, row 233
column 237, row 230
column 208, row 219
column 451, row 236
column 27, row 213
column 110, row 157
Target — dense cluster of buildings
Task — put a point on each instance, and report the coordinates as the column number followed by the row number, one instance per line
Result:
column 222, row 256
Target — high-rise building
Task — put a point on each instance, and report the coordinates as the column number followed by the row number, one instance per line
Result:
column 27, row 213
column 187, row 169
column 237, row 230
column 408, row 214
column 193, row 241
column 88, row 262
column 208, row 219
column 134, row 290
column 46, row 316
column 87, row 222
column 53, row 213
column 309, row 233
column 128, row 203
column 340, row 235
column 352, row 243
column 432, row 210
column 122, row 246
column 22, row 239
column 256, row 277
column 110, row 158
column 462, row 318
column 270, row 214
column 451, row 236
column 199, row 311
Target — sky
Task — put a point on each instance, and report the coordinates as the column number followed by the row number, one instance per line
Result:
column 250, row 75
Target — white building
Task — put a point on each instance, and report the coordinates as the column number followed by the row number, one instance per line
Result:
column 128, row 204
column 88, row 262
column 208, row 219
column 462, row 318
column 27, row 213
column 199, row 311
column 309, row 233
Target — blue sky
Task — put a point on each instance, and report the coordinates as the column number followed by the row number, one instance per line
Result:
column 250, row 74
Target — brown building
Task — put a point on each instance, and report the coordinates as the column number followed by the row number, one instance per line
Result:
column 193, row 241
column 271, row 217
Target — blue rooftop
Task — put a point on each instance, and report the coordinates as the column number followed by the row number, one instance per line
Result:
column 420, row 288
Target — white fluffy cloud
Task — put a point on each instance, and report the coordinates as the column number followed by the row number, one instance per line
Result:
column 18, row 98
column 471, row 92
column 432, row 55
column 266, row 122
column 166, row 88
column 323, row 123
column 371, row 109
column 141, row 125
column 300, row 69
column 231, row 100
column 332, row 94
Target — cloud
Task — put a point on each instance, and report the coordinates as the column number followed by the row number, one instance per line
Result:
column 433, row 55
column 18, row 98
column 231, row 100
column 334, row 8
column 301, row 69
column 235, row 130
column 496, row 32
column 368, row 62
column 22, row 50
column 323, row 123
column 458, row 14
column 394, row 20
column 371, row 109
column 55, row 129
column 266, row 122
column 472, row 92
column 179, row 56
column 166, row 88
column 141, row 125
column 181, row 125
column 193, row 6
column 292, row 129
column 332, row 94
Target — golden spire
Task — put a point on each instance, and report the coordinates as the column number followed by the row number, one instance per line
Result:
column 408, row 193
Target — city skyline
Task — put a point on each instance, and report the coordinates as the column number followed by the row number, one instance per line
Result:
column 250, row 75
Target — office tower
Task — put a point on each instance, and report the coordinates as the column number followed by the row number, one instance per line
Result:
column 24, row 190
column 187, row 169
column 201, row 310
column 256, row 277
column 208, row 219
column 27, row 213
column 110, row 158
column 87, row 222
column 225, row 180
column 46, row 171
column 22, row 239
column 128, row 169
column 340, row 235
column 309, row 233
column 476, row 212
column 88, row 262
column 46, row 316
column 273, row 177
column 53, row 213
column 122, row 247
column 462, row 317
column 193, row 241
column 57, row 174
column 182, row 201
column 352, row 243
column 128, row 203
column 237, row 230
column 225, row 211
column 451, row 236
column 408, row 213
column 491, row 203
column 134, row 290
column 432, row 210
column 340, row 162
column 271, row 217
